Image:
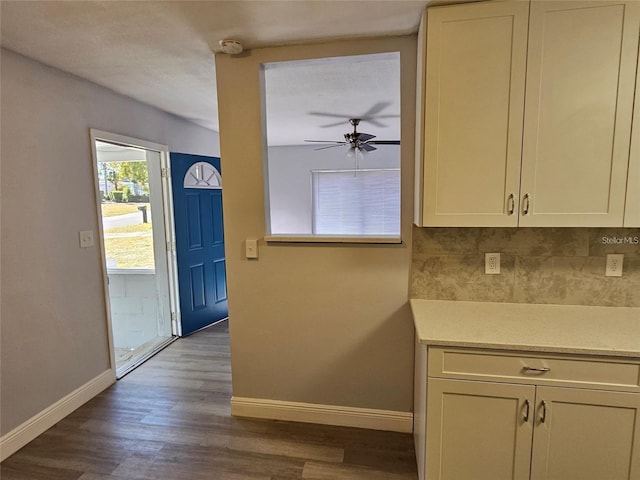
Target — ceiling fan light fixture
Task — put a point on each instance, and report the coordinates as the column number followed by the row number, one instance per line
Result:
column 231, row 47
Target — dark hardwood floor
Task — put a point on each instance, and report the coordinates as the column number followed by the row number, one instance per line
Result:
column 170, row 419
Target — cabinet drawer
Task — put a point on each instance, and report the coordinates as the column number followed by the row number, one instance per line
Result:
column 536, row 369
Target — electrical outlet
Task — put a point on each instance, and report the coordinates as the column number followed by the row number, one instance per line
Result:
column 492, row 263
column 86, row 239
column 614, row 265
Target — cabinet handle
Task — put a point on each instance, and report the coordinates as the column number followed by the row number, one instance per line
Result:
column 512, row 204
column 543, row 415
column 526, row 202
column 536, row 369
column 527, row 406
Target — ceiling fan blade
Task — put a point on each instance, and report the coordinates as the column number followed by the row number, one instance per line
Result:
column 370, row 116
column 363, row 137
column 376, row 108
column 384, row 142
column 325, row 141
column 327, row 114
column 366, row 147
column 330, row 146
column 332, row 124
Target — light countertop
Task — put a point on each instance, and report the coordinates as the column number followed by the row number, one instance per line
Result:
column 609, row 331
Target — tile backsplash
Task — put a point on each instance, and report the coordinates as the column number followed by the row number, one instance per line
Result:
column 538, row 265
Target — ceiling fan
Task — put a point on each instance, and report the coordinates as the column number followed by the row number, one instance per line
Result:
column 359, row 141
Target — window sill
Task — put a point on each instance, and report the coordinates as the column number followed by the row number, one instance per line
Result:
column 384, row 240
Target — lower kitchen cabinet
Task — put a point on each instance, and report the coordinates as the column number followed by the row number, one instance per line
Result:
column 495, row 415
column 482, row 429
column 585, row 435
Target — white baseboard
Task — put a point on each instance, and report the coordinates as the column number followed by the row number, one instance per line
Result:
column 322, row 414
column 17, row 438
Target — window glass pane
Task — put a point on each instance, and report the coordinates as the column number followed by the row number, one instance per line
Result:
column 123, row 177
column 202, row 175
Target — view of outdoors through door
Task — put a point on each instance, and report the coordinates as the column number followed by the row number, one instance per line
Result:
column 133, row 225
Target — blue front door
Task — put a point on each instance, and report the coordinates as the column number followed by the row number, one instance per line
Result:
column 197, row 204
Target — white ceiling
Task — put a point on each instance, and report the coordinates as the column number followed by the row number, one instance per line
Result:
column 160, row 52
column 314, row 99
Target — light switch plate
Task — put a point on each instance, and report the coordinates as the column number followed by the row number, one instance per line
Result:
column 251, row 248
column 86, row 239
column 614, row 265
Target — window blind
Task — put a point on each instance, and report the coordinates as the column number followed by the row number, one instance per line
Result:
column 356, row 202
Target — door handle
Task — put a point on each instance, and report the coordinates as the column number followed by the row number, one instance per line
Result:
column 525, row 415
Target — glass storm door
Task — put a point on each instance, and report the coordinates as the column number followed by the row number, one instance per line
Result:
column 132, row 196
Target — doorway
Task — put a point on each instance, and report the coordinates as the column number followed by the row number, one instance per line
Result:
column 134, row 200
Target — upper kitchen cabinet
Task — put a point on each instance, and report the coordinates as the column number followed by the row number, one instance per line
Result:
column 581, row 71
column 472, row 114
column 632, row 210
column 493, row 153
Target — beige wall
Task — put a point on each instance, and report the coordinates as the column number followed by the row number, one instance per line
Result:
column 54, row 330
column 539, row 265
column 325, row 324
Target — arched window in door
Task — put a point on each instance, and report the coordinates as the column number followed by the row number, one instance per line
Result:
column 203, row 175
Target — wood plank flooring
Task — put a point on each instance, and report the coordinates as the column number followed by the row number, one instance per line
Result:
column 170, row 419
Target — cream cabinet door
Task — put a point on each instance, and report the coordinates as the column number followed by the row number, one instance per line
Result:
column 586, row 435
column 581, row 71
column 632, row 209
column 478, row 430
column 474, row 96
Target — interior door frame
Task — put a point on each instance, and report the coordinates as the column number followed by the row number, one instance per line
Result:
column 169, row 228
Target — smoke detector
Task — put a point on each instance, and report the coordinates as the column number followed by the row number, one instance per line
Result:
column 232, row 47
